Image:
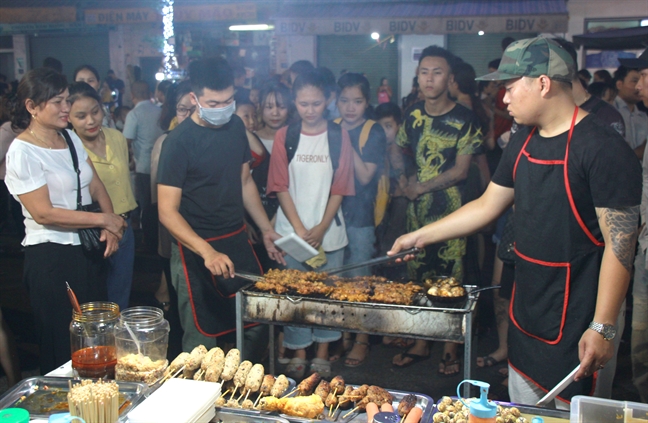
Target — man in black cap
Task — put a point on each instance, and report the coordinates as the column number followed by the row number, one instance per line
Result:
column 639, row 352
column 577, row 189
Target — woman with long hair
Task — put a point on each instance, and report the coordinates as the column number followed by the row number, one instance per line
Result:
column 41, row 175
column 108, row 150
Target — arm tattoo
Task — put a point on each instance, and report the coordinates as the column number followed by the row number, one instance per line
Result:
column 622, row 225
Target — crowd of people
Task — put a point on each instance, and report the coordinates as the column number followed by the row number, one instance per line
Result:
column 212, row 173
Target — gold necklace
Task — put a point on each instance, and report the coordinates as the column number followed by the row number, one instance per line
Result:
column 40, row 140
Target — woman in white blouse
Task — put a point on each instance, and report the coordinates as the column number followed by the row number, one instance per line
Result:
column 40, row 175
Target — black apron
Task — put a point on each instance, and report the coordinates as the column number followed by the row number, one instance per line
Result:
column 212, row 298
column 557, row 271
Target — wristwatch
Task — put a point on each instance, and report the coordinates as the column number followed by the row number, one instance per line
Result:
column 607, row 331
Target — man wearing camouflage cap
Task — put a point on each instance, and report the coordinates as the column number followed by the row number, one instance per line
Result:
column 640, row 286
column 576, row 186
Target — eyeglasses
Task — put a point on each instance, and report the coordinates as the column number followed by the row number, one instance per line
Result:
column 183, row 111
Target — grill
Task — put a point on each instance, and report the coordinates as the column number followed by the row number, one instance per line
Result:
column 413, row 321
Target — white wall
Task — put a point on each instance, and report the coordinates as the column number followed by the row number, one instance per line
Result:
column 291, row 48
column 407, row 67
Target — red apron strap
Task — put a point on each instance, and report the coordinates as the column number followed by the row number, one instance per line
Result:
column 522, row 152
column 568, row 187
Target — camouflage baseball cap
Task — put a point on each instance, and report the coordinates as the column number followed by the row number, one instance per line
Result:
column 534, row 57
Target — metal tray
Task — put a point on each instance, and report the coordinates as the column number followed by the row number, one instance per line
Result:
column 527, row 410
column 419, row 321
column 41, row 402
column 247, row 412
column 423, row 401
column 232, row 417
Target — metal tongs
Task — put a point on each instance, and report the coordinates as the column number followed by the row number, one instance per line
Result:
column 372, row 262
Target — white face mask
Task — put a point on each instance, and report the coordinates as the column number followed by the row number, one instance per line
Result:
column 216, row 116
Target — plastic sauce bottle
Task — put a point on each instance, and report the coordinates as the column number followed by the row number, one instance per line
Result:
column 481, row 411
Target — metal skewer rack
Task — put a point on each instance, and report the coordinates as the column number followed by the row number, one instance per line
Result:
column 420, row 320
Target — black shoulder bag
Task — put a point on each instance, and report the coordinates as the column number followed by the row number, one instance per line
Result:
column 89, row 237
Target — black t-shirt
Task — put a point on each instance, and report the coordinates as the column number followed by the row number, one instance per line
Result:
column 603, row 170
column 359, row 209
column 206, row 164
column 605, row 113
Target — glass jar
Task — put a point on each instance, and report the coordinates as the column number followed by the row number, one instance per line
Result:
column 92, row 337
column 141, row 340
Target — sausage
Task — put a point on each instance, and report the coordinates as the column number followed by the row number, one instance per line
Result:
column 266, row 385
column 323, row 389
column 212, row 356
column 254, row 378
column 242, row 372
column 232, row 404
column 232, row 360
column 196, row 357
column 414, row 416
column 214, row 371
column 177, row 363
column 337, row 384
column 220, row 402
column 387, row 407
column 308, row 385
column 406, row 404
column 372, row 410
column 279, row 388
column 247, row 405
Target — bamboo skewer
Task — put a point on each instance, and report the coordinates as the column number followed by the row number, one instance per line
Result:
column 258, row 398
column 224, row 393
column 246, row 395
column 291, row 392
column 331, row 407
column 234, row 392
column 336, row 408
column 241, row 396
column 354, row 409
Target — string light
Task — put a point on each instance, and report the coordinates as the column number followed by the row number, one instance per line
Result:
column 170, row 61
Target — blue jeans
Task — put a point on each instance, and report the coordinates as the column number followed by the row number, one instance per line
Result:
column 299, row 338
column 120, row 269
column 359, row 249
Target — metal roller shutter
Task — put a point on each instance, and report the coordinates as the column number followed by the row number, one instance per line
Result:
column 359, row 53
column 478, row 50
column 72, row 50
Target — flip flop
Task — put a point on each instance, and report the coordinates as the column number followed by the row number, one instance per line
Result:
column 489, row 361
column 414, row 357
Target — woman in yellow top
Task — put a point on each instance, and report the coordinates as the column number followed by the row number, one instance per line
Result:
column 108, row 150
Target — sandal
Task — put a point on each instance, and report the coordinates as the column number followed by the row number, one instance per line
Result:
column 488, row 361
column 355, row 362
column 341, row 349
column 414, row 358
column 446, row 362
column 296, row 368
column 321, row 366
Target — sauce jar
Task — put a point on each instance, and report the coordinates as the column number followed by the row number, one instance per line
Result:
column 141, row 339
column 92, row 338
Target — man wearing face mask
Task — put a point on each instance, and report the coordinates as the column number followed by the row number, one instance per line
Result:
column 204, row 188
